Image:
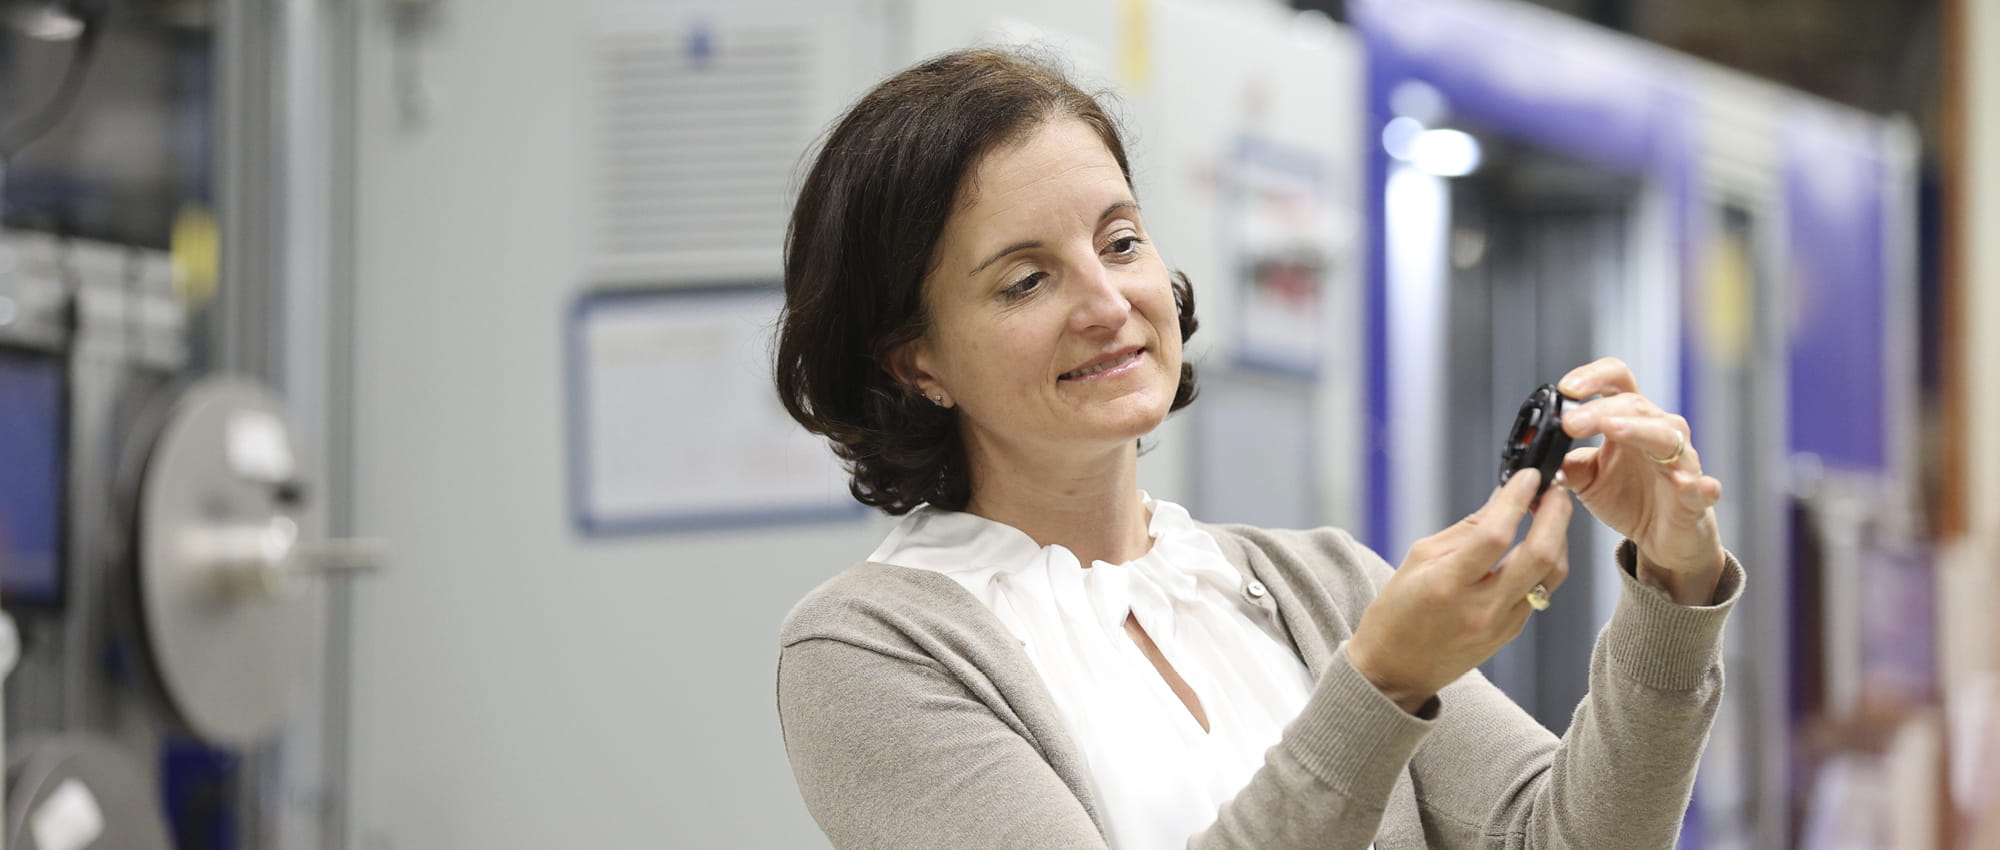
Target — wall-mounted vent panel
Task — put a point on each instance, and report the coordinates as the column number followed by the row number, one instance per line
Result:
column 698, row 129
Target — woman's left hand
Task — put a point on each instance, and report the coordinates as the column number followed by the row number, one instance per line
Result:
column 1645, row 482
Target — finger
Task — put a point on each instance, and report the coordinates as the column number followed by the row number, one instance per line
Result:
column 1584, row 420
column 1696, row 492
column 1479, row 540
column 1657, row 438
column 1579, row 468
column 1603, row 376
column 1543, row 556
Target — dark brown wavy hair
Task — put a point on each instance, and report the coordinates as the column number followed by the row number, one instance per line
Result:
column 868, row 217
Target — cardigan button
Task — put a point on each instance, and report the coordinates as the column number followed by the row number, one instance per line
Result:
column 1255, row 590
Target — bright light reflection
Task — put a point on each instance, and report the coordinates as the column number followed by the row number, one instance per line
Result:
column 1445, row 153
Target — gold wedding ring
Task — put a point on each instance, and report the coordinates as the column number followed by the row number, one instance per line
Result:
column 1680, row 447
column 1538, row 598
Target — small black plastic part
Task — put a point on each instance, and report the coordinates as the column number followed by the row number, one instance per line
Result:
column 1537, row 439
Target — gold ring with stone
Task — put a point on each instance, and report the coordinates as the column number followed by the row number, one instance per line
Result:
column 1538, row 598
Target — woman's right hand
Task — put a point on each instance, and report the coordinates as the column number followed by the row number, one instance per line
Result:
column 1449, row 608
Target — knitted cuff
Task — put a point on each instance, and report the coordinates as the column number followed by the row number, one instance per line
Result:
column 1662, row 644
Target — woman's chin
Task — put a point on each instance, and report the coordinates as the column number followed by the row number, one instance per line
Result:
column 1128, row 424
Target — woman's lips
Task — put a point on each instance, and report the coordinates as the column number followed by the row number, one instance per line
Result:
column 1105, row 367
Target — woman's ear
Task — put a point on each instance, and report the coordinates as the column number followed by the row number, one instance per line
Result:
column 907, row 364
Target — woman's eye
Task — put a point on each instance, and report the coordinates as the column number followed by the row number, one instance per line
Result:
column 1025, row 286
column 1126, row 245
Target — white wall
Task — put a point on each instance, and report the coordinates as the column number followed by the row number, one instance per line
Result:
column 516, row 687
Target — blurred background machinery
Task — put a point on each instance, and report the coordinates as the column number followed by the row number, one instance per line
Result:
column 162, row 535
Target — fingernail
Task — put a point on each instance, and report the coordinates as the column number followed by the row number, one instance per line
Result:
column 1567, row 387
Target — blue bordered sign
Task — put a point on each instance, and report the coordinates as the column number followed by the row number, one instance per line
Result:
column 673, row 423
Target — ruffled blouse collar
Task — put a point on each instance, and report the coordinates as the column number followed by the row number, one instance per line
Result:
column 985, row 556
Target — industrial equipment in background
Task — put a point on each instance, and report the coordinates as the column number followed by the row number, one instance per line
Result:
column 163, row 555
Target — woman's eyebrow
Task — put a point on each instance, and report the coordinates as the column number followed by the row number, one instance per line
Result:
column 1031, row 244
column 1018, row 246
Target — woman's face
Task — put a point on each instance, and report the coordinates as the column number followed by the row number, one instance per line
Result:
column 1053, row 322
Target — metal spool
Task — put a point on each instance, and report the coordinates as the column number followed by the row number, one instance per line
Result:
column 229, row 588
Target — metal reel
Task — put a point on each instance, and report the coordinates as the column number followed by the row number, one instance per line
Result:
column 229, row 588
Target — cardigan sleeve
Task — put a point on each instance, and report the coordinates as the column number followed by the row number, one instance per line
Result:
column 890, row 750
column 1490, row 776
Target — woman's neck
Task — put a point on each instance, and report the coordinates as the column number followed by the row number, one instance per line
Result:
column 1091, row 507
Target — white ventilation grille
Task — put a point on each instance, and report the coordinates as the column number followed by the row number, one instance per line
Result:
column 697, row 134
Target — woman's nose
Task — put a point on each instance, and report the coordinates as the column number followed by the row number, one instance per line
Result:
column 1101, row 302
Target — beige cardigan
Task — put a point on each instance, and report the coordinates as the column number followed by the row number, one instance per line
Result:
column 914, row 719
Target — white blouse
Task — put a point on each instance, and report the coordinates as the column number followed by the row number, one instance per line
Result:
column 1159, row 778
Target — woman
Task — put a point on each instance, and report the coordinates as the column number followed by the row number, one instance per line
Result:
column 1040, row 655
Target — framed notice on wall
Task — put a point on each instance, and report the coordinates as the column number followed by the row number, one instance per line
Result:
column 673, row 422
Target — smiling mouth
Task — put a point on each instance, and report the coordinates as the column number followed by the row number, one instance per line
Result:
column 1088, row 371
